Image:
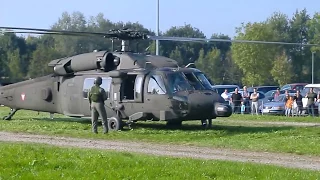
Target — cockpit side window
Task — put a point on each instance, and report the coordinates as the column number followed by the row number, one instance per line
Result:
column 156, row 85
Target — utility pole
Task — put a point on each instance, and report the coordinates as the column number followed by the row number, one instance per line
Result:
column 312, row 68
column 157, row 29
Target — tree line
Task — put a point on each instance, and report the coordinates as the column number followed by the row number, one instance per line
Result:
column 223, row 62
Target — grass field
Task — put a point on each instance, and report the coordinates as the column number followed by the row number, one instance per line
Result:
column 271, row 118
column 33, row 161
column 298, row 140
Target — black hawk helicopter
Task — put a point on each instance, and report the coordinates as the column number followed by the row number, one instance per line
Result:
column 139, row 86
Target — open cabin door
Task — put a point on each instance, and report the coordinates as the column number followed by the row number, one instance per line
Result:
column 127, row 94
column 132, row 89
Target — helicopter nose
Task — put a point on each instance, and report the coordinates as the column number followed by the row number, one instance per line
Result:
column 222, row 109
column 201, row 105
column 208, row 105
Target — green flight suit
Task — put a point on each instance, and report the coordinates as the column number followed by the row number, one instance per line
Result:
column 97, row 96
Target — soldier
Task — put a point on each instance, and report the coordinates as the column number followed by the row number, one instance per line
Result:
column 97, row 96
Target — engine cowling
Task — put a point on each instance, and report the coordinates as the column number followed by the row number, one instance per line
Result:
column 103, row 60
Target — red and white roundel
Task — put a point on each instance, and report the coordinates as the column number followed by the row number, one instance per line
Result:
column 23, row 96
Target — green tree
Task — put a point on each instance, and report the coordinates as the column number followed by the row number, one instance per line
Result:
column 300, row 55
column 189, row 50
column 232, row 74
column 14, row 65
column 255, row 60
column 282, row 70
column 210, row 64
column 314, row 35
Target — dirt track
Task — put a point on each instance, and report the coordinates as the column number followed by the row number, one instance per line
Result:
column 286, row 160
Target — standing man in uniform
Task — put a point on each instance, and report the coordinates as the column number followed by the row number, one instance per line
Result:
column 97, row 96
column 311, row 99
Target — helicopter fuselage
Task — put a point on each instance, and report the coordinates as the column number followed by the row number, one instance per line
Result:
column 140, row 95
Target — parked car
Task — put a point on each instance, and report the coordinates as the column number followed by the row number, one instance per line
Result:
column 270, row 94
column 263, row 89
column 294, row 86
column 276, row 106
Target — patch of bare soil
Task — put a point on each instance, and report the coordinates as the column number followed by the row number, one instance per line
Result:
column 286, row 160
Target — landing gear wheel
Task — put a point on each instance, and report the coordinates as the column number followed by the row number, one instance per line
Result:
column 114, row 124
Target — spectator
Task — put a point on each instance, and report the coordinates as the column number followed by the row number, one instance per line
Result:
column 243, row 108
column 298, row 100
column 276, row 95
column 318, row 100
column 254, row 97
column 224, row 95
column 287, row 95
column 311, row 99
column 289, row 105
column 236, row 99
column 245, row 96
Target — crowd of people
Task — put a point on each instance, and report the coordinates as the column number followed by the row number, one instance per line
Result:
column 246, row 102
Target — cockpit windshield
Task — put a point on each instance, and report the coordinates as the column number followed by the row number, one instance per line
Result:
column 194, row 81
column 204, row 81
column 178, row 82
column 199, row 81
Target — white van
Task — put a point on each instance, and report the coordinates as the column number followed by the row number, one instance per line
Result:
column 306, row 89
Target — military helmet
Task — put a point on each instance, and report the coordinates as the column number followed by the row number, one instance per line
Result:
column 98, row 81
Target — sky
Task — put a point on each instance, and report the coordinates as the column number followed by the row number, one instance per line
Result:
column 210, row 16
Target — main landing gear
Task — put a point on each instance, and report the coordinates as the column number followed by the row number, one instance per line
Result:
column 12, row 112
column 206, row 123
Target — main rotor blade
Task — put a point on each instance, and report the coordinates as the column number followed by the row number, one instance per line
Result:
column 55, row 31
column 185, row 39
column 124, row 34
column 127, row 34
column 48, row 33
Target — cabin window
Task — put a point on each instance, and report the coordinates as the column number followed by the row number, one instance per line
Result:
column 106, row 85
column 128, row 87
column 156, row 85
column 89, row 82
column 138, row 86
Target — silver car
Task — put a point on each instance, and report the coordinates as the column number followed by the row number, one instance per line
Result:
column 276, row 106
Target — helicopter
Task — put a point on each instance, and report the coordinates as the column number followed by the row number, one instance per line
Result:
column 139, row 86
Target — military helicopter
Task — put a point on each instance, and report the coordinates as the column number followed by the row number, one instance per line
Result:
column 139, row 86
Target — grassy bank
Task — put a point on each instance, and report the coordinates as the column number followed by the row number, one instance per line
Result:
column 33, row 161
column 299, row 140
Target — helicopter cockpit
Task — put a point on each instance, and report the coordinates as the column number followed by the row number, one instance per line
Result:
column 199, row 81
column 176, row 82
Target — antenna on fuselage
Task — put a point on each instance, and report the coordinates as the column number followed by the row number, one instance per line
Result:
column 191, row 65
column 146, row 64
column 124, row 45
